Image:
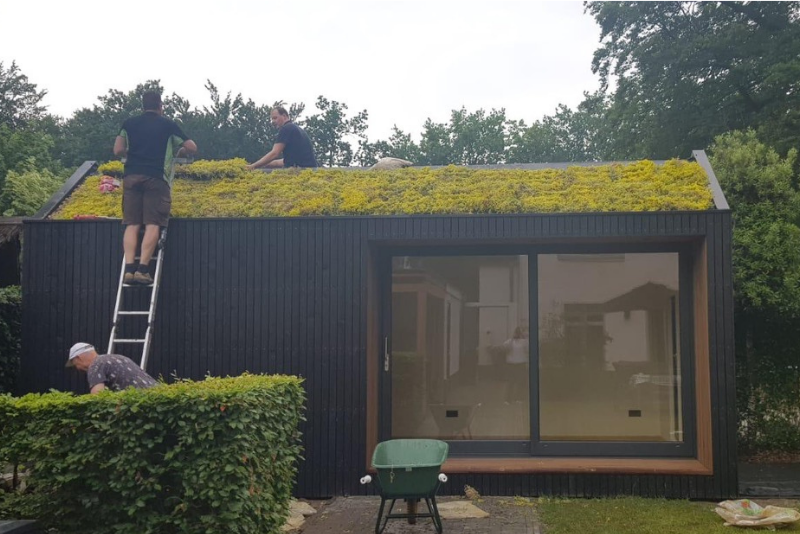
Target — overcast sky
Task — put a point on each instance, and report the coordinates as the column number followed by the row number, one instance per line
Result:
column 403, row 62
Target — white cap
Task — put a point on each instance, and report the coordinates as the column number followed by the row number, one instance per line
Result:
column 76, row 350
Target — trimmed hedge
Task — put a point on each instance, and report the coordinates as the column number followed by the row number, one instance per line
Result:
column 10, row 336
column 227, row 189
column 197, row 457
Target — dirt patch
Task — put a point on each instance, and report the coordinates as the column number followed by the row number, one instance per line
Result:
column 772, row 458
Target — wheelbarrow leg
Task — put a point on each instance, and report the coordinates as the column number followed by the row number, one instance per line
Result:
column 434, row 511
column 378, row 527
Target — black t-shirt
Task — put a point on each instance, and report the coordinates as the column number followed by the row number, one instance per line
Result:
column 297, row 150
column 152, row 141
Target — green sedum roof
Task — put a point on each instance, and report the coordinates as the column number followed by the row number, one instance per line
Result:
column 227, row 189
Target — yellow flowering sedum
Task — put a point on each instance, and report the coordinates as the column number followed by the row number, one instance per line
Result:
column 227, row 189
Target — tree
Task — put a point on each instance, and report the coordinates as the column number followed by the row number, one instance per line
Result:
column 435, row 147
column 688, row 71
column 26, row 131
column 568, row 135
column 582, row 134
column 537, row 143
column 89, row 134
column 20, row 101
column 330, row 130
column 23, row 147
column 758, row 184
column 26, row 191
column 478, row 138
column 400, row 145
column 368, row 153
column 231, row 127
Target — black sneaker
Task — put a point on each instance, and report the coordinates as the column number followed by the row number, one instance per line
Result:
column 143, row 278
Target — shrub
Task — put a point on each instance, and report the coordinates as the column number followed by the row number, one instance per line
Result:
column 10, row 336
column 770, row 425
column 26, row 191
column 213, row 456
column 227, row 189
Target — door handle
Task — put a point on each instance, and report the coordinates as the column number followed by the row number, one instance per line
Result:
column 386, row 354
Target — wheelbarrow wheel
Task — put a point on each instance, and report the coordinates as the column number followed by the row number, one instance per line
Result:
column 411, row 509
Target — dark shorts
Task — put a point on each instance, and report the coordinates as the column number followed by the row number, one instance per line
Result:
column 145, row 200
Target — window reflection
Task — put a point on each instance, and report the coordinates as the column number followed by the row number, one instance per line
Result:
column 609, row 362
column 460, row 351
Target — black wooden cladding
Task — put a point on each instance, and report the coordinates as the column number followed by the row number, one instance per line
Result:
column 289, row 296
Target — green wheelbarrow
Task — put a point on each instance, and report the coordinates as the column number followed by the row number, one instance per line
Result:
column 408, row 469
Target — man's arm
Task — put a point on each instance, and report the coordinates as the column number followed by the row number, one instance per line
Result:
column 276, row 151
column 98, row 388
column 120, row 146
column 188, row 147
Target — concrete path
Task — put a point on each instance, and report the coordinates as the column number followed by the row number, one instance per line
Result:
column 357, row 515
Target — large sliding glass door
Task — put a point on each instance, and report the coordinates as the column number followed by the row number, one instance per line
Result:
column 592, row 358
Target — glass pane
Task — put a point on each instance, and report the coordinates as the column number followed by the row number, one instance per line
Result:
column 609, row 360
column 460, row 347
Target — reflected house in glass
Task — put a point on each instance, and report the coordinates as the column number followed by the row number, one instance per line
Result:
column 569, row 352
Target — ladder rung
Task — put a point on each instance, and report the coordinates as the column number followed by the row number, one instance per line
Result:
column 155, row 259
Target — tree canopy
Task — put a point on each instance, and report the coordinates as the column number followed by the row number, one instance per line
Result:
column 20, row 100
column 688, row 71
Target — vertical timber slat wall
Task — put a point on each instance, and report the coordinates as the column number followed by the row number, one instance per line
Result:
column 290, row 296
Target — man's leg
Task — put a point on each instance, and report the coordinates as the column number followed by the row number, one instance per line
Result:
column 129, row 242
column 157, row 202
column 149, row 241
column 132, row 219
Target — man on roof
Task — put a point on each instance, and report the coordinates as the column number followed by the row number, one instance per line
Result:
column 107, row 371
column 150, row 141
column 292, row 141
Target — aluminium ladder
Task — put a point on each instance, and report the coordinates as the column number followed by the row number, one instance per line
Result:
column 150, row 313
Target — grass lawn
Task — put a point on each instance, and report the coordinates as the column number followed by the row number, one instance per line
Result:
column 631, row 515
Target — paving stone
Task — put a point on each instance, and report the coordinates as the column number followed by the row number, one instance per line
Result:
column 461, row 510
column 357, row 515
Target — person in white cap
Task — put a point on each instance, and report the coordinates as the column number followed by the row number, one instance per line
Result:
column 110, row 371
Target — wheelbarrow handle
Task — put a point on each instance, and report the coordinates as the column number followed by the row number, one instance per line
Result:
column 442, row 478
column 366, row 479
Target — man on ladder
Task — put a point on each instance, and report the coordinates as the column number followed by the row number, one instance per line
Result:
column 150, row 142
